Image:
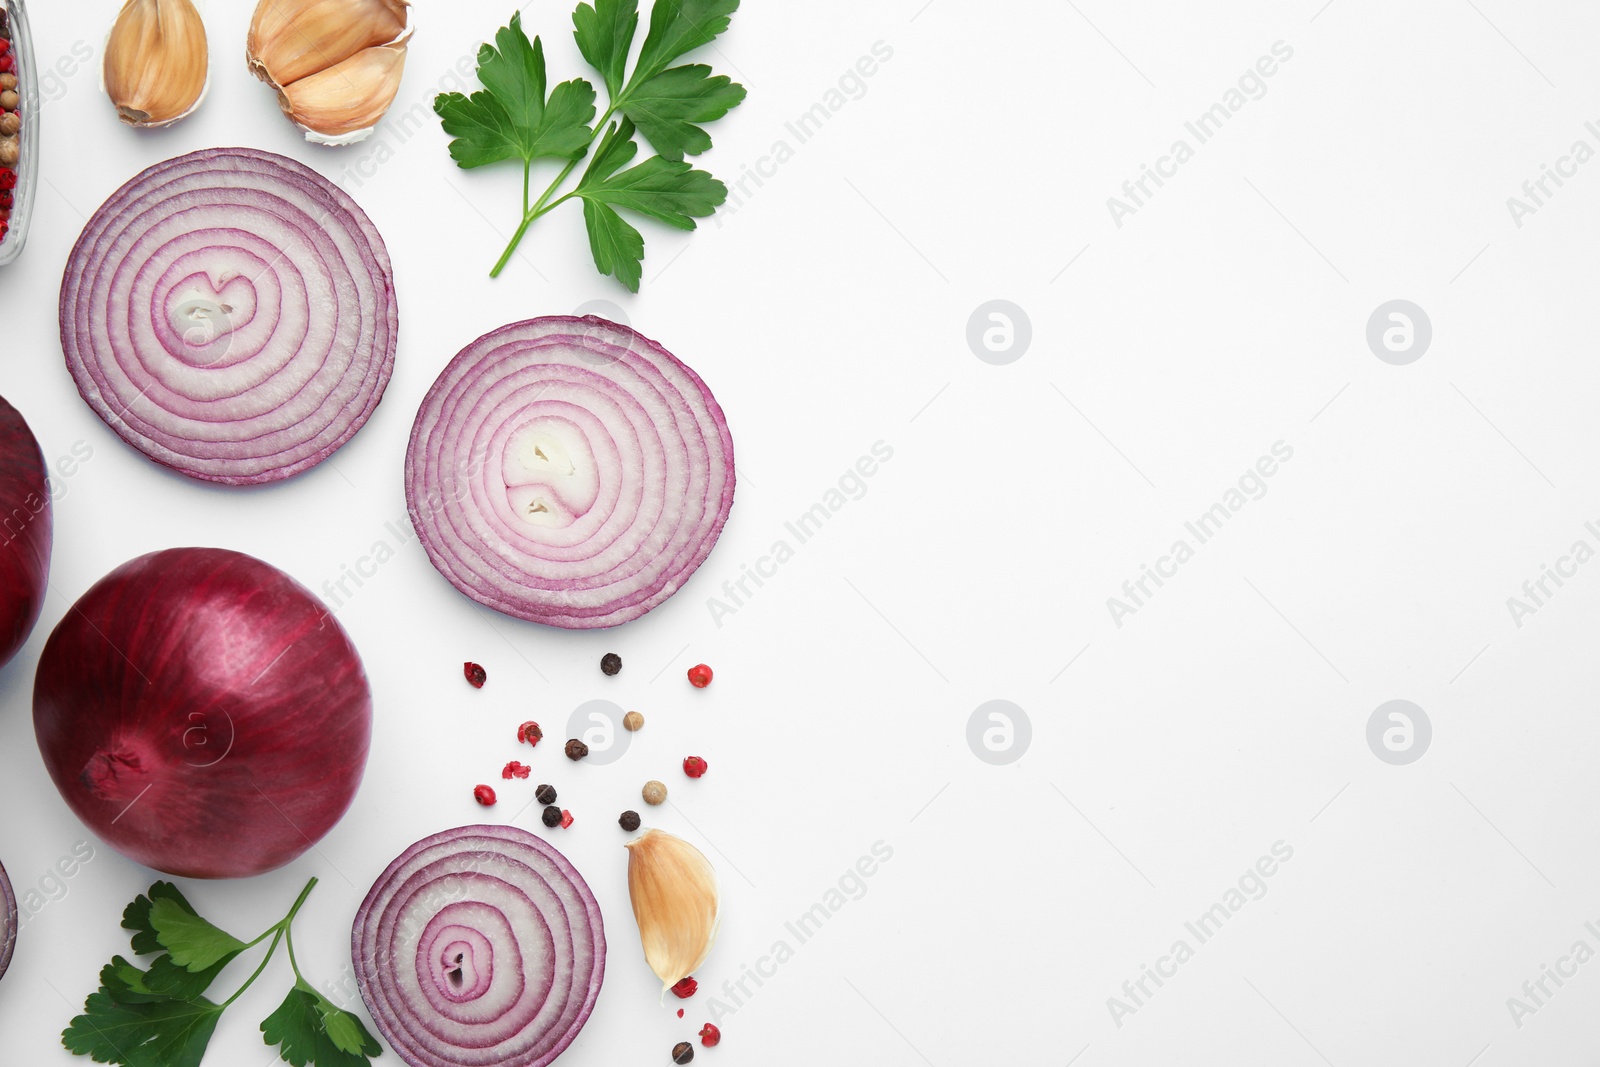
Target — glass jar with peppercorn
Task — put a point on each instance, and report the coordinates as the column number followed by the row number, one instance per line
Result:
column 19, row 128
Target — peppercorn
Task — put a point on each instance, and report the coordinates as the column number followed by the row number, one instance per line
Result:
column 682, row 1052
column 529, row 733
column 699, row 676
column 484, row 795
column 545, row 794
column 9, row 99
column 551, row 817
column 632, row 721
column 710, row 1036
column 566, row 818
column 515, row 769
column 629, row 821
column 8, row 81
column 686, row 988
column 576, row 750
column 476, row 675
column 654, row 792
column 10, row 123
column 9, row 152
column 610, row 663
column 695, row 767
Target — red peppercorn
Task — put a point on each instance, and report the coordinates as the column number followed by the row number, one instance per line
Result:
column 686, row 988
column 699, row 676
column 529, row 733
column 710, row 1036
column 7, row 63
column 8, row 178
column 476, row 675
column 5, row 46
column 566, row 818
column 695, row 767
column 484, row 795
column 680, row 1013
column 515, row 770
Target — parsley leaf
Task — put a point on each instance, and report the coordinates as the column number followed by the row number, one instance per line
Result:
column 667, row 191
column 616, row 151
column 677, row 27
column 511, row 118
column 168, row 979
column 308, row 1028
column 136, row 916
column 125, row 983
column 618, row 248
column 168, row 1033
column 192, row 942
column 605, row 34
column 668, row 107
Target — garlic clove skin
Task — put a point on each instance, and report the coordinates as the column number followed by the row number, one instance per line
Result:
column 675, row 902
column 157, row 63
column 294, row 39
column 343, row 104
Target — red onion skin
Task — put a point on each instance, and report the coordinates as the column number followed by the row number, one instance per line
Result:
column 8, row 921
column 203, row 714
column 25, row 531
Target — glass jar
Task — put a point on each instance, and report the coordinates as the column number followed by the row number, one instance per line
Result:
column 19, row 128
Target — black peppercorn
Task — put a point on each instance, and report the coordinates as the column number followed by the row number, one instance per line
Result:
column 545, row 794
column 576, row 750
column 629, row 821
column 682, row 1052
column 551, row 817
column 610, row 663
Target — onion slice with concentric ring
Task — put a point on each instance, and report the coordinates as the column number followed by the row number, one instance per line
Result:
column 569, row 471
column 231, row 314
column 8, row 921
column 480, row 947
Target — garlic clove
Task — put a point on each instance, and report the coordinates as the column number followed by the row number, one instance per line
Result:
column 294, row 39
column 156, row 64
column 675, row 902
column 344, row 103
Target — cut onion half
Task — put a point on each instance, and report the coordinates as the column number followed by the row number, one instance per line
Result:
column 231, row 314
column 570, row 472
column 480, row 947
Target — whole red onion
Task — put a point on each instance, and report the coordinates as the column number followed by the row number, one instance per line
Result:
column 25, row 528
column 203, row 713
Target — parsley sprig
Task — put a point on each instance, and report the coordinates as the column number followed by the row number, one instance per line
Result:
column 515, row 117
column 159, row 1016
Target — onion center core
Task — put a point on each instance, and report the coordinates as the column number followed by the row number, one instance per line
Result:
column 202, row 310
column 550, row 472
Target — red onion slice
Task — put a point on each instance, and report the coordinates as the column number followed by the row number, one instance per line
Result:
column 480, row 946
column 8, row 921
column 569, row 471
column 231, row 314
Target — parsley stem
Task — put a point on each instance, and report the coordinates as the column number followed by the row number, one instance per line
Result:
column 259, row 968
column 543, row 205
column 278, row 932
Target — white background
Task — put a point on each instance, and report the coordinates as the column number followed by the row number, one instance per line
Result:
column 829, row 312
